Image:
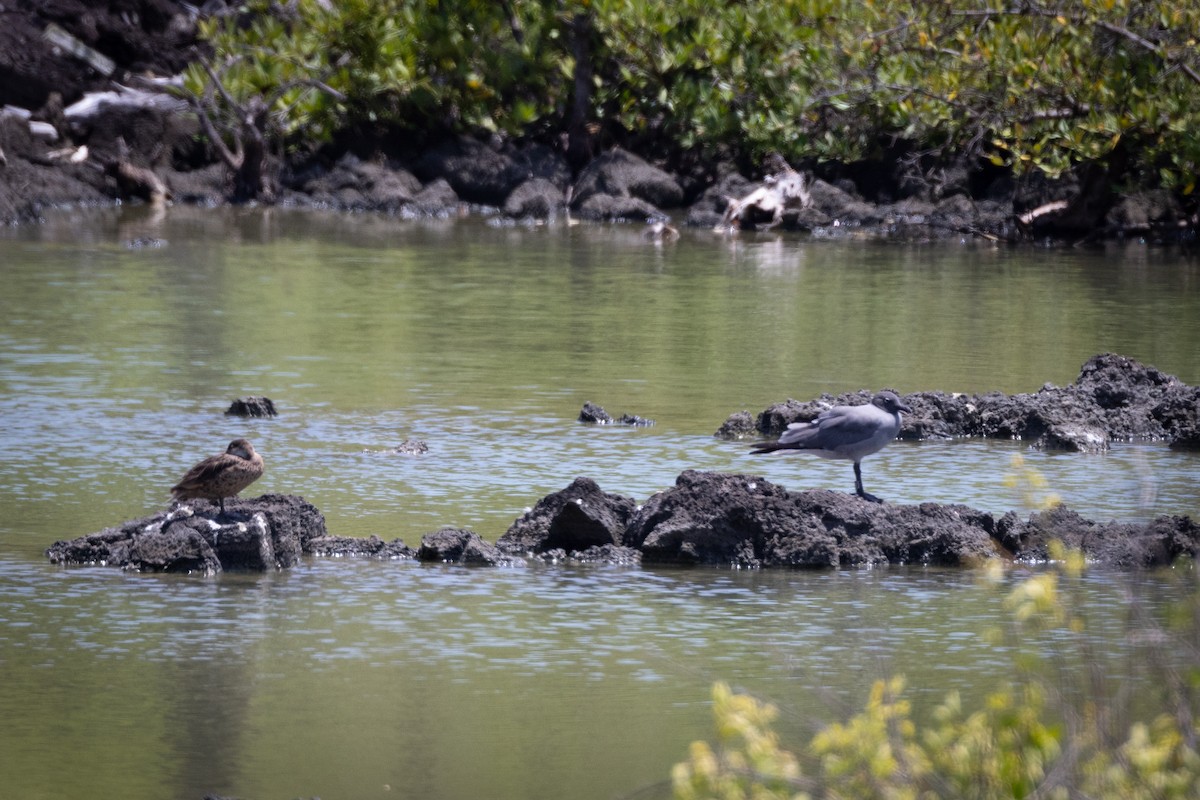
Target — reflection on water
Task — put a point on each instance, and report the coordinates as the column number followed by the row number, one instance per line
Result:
column 343, row 676
column 355, row 679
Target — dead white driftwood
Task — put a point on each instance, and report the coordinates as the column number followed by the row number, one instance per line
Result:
column 779, row 192
column 68, row 43
column 95, row 103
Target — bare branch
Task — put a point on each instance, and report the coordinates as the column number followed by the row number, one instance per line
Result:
column 1117, row 30
column 1146, row 44
column 232, row 159
column 216, row 82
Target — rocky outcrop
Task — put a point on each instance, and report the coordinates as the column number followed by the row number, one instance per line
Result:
column 266, row 533
column 573, row 520
column 1115, row 398
column 488, row 174
column 353, row 184
column 536, row 198
column 715, row 519
column 620, row 186
column 1159, row 542
column 745, row 521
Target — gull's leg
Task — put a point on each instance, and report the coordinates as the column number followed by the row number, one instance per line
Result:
column 858, row 487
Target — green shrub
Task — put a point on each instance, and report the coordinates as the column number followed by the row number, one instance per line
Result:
column 1016, row 745
column 1028, row 85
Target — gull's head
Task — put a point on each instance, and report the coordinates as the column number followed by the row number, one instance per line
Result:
column 889, row 402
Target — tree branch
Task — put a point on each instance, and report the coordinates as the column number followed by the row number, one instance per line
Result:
column 1151, row 46
column 1116, row 30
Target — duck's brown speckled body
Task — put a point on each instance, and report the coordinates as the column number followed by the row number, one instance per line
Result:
column 221, row 476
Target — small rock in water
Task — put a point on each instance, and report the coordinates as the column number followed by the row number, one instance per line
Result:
column 252, row 407
column 144, row 242
column 409, row 447
column 461, row 546
column 737, row 426
column 596, row 415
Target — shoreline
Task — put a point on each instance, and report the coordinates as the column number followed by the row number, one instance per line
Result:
column 74, row 134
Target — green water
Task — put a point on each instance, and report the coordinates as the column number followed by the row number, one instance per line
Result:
column 353, row 679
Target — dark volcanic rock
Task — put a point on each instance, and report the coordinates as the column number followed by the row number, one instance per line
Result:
column 356, row 185
column 841, row 206
column 1143, row 212
column 437, row 199
column 745, row 521
column 709, row 209
column 142, row 36
column 937, row 415
column 480, row 172
column 475, row 171
column 1114, row 398
column 739, row 425
column 1120, row 544
column 409, row 447
column 30, row 183
column 576, row 518
column 1068, row 436
column 459, row 546
column 596, row 415
column 536, row 198
column 616, row 208
column 269, row 532
column 370, row 547
column 619, row 185
column 608, row 555
column 252, row 407
column 1187, row 436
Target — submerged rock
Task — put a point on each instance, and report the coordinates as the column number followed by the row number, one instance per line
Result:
column 593, row 414
column 409, row 447
column 370, row 547
column 460, row 546
column 265, row 533
column 607, row 555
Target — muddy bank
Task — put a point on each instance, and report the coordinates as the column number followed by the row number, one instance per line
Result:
column 72, row 134
column 1115, row 398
